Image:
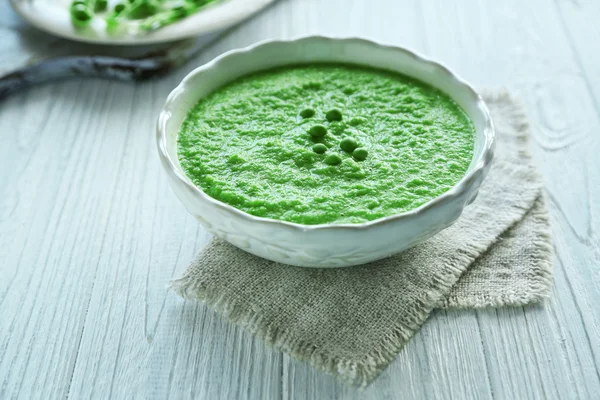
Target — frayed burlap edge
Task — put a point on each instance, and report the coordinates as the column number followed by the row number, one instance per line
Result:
column 541, row 288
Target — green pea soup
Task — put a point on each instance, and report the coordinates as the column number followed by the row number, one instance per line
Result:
column 326, row 144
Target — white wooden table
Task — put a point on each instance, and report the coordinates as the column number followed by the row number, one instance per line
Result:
column 90, row 233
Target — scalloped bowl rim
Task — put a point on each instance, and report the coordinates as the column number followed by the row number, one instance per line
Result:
column 480, row 164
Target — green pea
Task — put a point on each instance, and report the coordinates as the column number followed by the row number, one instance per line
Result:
column 181, row 8
column 317, row 131
column 360, row 154
column 152, row 14
column 333, row 159
column 319, row 148
column 179, row 11
column 100, row 5
column 80, row 13
column 307, row 113
column 348, row 144
column 333, row 115
column 119, row 8
column 79, row 5
column 142, row 10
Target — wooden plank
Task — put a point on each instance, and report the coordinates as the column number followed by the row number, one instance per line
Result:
column 139, row 338
column 48, row 233
column 580, row 22
column 444, row 360
column 556, row 347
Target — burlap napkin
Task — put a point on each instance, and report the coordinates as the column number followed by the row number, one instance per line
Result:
column 351, row 322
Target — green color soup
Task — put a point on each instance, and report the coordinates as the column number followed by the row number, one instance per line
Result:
column 326, row 144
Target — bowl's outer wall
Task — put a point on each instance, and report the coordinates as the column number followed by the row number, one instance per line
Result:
column 331, row 246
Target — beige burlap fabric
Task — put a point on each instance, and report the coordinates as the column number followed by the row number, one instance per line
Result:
column 351, row 322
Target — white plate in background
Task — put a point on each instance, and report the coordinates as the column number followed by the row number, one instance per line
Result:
column 53, row 16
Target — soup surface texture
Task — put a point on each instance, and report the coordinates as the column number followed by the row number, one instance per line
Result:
column 325, row 144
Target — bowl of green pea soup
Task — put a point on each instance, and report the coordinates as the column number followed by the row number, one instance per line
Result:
column 324, row 152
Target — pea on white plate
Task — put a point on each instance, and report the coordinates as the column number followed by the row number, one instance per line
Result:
column 64, row 19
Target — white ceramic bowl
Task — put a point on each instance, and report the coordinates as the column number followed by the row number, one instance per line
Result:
column 327, row 245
